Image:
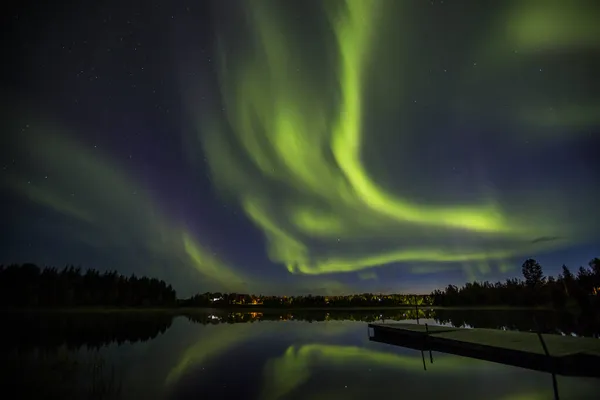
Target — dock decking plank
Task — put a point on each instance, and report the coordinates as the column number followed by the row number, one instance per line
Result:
column 520, row 341
column 417, row 328
column 568, row 354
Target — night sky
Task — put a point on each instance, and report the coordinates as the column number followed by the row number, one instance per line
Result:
column 293, row 147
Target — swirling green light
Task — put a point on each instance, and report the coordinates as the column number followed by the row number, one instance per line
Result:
column 109, row 210
column 290, row 149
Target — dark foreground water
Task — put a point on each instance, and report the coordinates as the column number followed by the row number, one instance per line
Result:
column 216, row 355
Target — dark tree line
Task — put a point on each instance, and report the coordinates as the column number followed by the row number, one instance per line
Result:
column 218, row 299
column 27, row 285
column 567, row 289
column 223, row 317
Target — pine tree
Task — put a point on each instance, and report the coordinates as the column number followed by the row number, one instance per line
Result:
column 532, row 272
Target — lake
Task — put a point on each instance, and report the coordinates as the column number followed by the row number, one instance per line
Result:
column 272, row 355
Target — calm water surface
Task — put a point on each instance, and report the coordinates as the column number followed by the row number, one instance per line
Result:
column 161, row 357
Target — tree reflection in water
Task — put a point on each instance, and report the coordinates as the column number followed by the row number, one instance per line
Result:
column 58, row 353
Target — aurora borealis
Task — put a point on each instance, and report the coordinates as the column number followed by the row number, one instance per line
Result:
column 294, row 147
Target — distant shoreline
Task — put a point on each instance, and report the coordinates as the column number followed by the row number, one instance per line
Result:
column 249, row 309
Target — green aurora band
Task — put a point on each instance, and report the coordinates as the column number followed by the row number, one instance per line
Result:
column 301, row 147
column 112, row 214
column 298, row 122
column 110, row 211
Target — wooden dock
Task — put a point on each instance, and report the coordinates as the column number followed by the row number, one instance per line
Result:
column 556, row 354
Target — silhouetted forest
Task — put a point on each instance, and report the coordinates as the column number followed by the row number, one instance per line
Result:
column 567, row 289
column 27, row 285
column 218, row 299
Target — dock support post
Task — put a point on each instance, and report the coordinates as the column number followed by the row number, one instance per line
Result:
column 417, row 310
column 555, row 386
column 543, row 344
column 554, row 382
column 427, row 341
